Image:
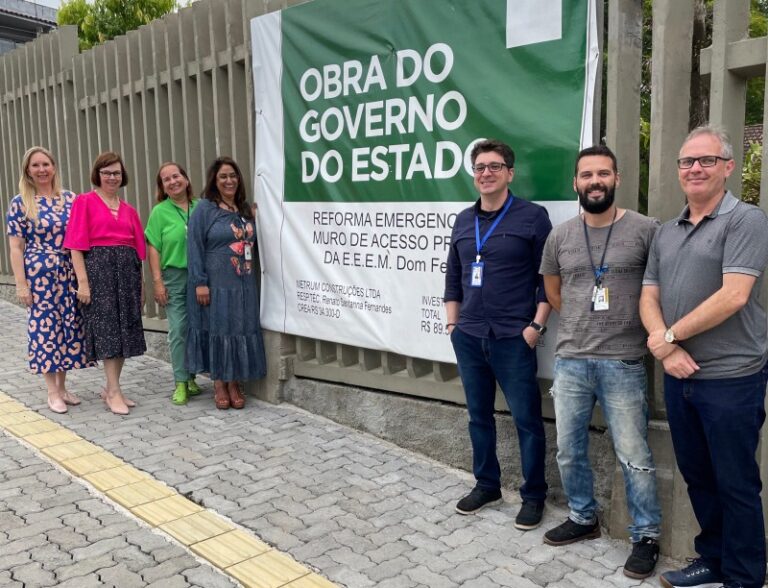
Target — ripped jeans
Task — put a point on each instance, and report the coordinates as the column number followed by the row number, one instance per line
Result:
column 620, row 388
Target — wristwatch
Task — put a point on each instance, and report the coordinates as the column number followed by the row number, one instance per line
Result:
column 540, row 328
column 669, row 336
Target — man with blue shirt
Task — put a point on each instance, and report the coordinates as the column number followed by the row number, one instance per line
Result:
column 701, row 306
column 496, row 308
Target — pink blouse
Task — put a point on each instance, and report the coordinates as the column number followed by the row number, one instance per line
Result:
column 91, row 224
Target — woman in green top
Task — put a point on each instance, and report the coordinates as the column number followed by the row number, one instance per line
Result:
column 166, row 235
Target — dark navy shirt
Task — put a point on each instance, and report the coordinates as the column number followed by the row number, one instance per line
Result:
column 512, row 286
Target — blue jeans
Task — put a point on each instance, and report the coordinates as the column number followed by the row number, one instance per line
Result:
column 715, row 426
column 620, row 388
column 510, row 361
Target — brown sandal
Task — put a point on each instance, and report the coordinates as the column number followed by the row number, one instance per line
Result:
column 236, row 398
column 220, row 394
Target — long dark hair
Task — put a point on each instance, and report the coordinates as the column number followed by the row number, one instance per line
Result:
column 211, row 191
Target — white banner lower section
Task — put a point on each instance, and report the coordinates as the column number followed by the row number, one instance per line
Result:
column 367, row 275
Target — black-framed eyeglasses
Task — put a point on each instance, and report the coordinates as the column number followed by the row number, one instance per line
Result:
column 494, row 166
column 110, row 174
column 704, row 161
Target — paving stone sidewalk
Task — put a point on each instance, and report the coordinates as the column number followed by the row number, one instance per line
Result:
column 53, row 532
column 359, row 510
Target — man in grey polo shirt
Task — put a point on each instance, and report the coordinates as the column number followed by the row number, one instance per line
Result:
column 593, row 269
column 700, row 305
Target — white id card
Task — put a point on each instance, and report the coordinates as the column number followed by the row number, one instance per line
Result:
column 477, row 274
column 248, row 252
column 600, row 299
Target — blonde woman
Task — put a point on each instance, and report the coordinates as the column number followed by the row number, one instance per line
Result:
column 166, row 235
column 36, row 222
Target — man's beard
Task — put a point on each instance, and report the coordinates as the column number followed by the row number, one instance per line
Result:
column 597, row 206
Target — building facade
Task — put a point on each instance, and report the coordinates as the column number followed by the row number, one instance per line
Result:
column 22, row 21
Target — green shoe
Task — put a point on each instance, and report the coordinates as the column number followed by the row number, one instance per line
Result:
column 192, row 388
column 180, row 394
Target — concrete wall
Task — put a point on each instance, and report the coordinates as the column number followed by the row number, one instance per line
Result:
column 439, row 430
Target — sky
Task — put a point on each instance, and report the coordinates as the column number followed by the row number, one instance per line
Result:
column 51, row 3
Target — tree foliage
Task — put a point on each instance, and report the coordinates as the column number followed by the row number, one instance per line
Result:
column 758, row 27
column 750, row 173
column 103, row 20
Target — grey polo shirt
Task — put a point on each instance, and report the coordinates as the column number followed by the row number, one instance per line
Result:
column 687, row 262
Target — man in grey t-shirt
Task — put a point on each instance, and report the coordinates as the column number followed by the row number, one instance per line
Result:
column 700, row 304
column 593, row 269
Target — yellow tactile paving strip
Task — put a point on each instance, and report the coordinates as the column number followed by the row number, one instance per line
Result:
column 236, row 552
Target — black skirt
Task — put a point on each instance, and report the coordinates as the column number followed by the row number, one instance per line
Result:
column 113, row 326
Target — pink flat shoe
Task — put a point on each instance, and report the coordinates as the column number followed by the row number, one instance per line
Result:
column 70, row 399
column 57, row 405
column 128, row 402
column 116, row 405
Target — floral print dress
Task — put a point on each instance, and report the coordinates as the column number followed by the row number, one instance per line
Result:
column 224, row 338
column 55, row 325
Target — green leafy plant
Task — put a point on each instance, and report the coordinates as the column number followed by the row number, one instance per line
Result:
column 103, row 20
column 751, row 172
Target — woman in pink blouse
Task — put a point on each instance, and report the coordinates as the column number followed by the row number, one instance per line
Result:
column 107, row 243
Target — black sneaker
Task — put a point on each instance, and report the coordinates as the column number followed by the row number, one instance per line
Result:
column 477, row 500
column 529, row 516
column 695, row 575
column 570, row 532
column 642, row 560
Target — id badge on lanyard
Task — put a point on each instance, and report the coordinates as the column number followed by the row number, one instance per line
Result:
column 477, row 274
column 478, row 267
column 247, row 247
column 600, row 299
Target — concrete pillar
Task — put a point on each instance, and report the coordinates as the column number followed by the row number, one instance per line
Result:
column 270, row 388
column 622, row 133
column 727, row 95
column 670, row 108
column 670, row 102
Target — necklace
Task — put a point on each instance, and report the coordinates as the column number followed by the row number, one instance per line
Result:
column 227, row 206
column 112, row 203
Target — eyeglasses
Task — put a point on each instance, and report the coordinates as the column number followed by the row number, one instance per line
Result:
column 110, row 174
column 494, row 166
column 704, row 161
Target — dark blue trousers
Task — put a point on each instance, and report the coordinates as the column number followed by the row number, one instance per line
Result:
column 715, row 426
column 510, row 361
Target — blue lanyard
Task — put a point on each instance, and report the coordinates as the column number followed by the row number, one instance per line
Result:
column 602, row 269
column 479, row 243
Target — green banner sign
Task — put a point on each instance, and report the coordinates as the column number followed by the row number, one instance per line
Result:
column 366, row 111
